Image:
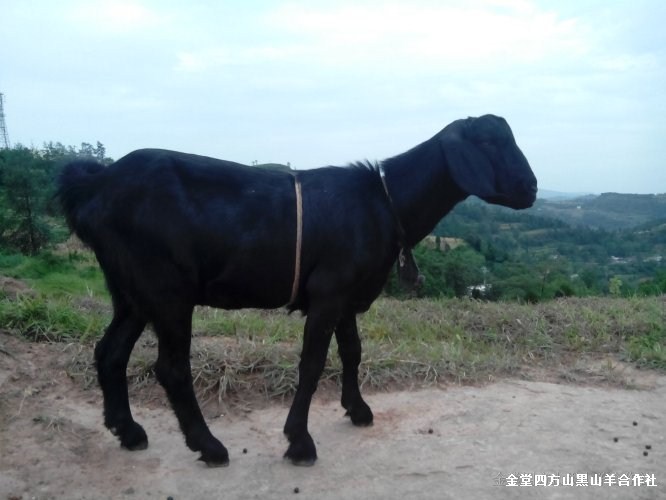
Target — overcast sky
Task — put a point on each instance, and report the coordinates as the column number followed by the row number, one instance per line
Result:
column 581, row 82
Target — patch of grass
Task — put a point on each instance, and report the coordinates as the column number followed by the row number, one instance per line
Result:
column 416, row 342
column 73, row 273
column 10, row 261
column 42, row 320
column 88, row 281
column 649, row 349
column 405, row 342
column 270, row 326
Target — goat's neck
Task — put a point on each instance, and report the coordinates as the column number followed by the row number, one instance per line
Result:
column 420, row 189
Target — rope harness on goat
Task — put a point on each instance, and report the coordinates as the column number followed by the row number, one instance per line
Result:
column 408, row 270
column 299, row 240
column 401, row 230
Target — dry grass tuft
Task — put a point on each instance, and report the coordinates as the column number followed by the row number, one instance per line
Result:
column 248, row 355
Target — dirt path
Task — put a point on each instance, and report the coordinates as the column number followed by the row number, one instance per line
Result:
column 438, row 443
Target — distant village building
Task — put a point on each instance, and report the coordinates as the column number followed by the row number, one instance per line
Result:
column 479, row 291
column 443, row 244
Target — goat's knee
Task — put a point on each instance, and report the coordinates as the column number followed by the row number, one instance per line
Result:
column 174, row 376
column 101, row 356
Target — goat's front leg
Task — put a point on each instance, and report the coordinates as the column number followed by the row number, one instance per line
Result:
column 318, row 332
column 349, row 349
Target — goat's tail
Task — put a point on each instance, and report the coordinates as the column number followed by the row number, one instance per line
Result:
column 77, row 185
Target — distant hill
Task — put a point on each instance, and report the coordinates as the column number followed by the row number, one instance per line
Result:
column 609, row 211
column 546, row 194
column 579, row 257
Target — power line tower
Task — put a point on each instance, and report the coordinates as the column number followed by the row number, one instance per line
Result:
column 4, row 138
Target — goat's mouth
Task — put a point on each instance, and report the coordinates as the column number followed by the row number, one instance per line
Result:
column 523, row 204
column 516, row 201
column 525, row 198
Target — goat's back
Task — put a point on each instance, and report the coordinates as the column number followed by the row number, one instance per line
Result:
column 185, row 221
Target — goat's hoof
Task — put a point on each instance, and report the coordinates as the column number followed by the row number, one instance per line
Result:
column 360, row 415
column 212, row 463
column 302, row 463
column 133, row 438
column 302, row 452
column 215, row 456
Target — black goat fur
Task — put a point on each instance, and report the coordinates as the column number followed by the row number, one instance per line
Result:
column 173, row 230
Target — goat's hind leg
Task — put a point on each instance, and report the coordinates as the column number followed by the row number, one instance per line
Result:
column 112, row 354
column 173, row 371
column 349, row 349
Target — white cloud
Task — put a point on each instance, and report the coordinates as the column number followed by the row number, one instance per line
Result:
column 385, row 37
column 235, row 54
column 436, row 33
column 114, row 16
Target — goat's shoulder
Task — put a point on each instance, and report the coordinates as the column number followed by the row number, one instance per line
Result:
column 349, row 178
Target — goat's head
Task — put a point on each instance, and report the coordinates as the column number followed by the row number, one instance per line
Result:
column 484, row 160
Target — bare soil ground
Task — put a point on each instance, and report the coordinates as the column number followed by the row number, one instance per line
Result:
column 448, row 442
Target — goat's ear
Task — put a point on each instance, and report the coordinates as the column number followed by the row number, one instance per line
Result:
column 469, row 167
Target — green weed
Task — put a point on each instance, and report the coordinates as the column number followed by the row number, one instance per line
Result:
column 38, row 319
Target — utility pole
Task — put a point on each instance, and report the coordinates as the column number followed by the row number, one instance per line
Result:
column 4, row 138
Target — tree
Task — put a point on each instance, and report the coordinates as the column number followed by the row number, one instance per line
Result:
column 25, row 189
column 462, row 269
column 653, row 286
column 98, row 152
column 27, row 206
column 615, row 286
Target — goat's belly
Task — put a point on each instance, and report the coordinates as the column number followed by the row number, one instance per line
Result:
column 267, row 293
column 238, row 301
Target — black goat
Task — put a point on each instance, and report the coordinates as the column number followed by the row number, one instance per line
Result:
column 172, row 230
